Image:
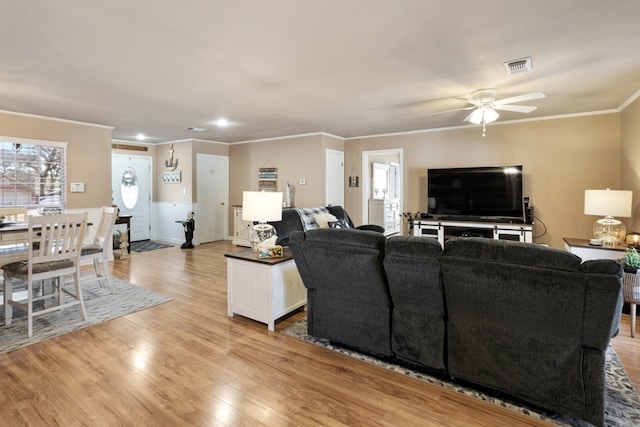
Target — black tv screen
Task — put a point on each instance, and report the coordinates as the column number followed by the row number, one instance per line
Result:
column 491, row 193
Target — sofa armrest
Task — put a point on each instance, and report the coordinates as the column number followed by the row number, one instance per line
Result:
column 284, row 228
column 371, row 227
column 603, row 297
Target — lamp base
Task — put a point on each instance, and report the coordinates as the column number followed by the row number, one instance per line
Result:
column 609, row 230
column 259, row 233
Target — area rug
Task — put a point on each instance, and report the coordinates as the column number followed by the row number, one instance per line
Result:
column 100, row 304
column 148, row 245
column 622, row 406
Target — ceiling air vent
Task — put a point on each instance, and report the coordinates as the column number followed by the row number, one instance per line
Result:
column 518, row 65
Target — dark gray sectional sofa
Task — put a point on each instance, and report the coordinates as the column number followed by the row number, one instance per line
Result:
column 291, row 221
column 522, row 319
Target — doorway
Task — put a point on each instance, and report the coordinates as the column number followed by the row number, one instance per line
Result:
column 393, row 160
column 212, row 215
column 131, row 188
column 334, row 181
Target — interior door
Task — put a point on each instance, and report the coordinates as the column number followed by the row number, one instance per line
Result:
column 131, row 187
column 212, row 215
column 334, row 181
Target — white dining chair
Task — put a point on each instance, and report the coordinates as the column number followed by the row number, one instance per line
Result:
column 54, row 252
column 98, row 251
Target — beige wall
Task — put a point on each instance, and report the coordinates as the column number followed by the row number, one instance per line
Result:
column 88, row 153
column 186, row 152
column 630, row 159
column 560, row 157
column 178, row 192
column 296, row 158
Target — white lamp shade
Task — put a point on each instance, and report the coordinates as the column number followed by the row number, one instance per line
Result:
column 261, row 206
column 608, row 202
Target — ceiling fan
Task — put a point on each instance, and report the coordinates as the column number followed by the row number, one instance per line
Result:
column 485, row 105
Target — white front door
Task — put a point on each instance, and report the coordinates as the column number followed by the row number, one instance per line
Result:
column 212, row 214
column 334, row 182
column 131, row 187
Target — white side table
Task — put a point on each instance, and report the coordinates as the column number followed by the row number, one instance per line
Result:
column 263, row 289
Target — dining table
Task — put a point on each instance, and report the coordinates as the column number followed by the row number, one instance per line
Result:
column 14, row 241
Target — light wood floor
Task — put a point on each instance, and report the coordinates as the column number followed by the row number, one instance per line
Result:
column 187, row 363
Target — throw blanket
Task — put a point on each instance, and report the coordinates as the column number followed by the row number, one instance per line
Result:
column 307, row 219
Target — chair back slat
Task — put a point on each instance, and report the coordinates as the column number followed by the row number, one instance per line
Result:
column 56, row 237
column 107, row 221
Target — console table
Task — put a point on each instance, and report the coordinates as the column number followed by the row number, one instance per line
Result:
column 240, row 228
column 263, row 289
column 584, row 250
column 126, row 220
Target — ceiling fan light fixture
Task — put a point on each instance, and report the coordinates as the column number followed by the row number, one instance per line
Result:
column 490, row 115
column 476, row 116
column 483, row 115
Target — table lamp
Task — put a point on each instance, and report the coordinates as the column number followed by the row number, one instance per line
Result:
column 260, row 207
column 610, row 204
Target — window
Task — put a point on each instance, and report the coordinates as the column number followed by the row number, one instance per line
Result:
column 32, row 173
column 129, row 189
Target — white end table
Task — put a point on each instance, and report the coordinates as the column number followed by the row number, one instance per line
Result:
column 263, row 289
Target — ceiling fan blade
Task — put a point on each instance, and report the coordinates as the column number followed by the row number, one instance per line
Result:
column 517, row 108
column 519, row 98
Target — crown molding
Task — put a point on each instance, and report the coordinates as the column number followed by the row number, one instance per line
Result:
column 56, row 119
column 208, row 141
column 275, row 138
column 629, row 101
column 496, row 123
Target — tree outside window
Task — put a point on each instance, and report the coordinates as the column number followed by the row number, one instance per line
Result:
column 32, row 175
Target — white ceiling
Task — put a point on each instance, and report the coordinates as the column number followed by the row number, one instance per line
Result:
column 286, row 67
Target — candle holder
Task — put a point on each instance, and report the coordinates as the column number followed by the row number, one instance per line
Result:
column 633, row 239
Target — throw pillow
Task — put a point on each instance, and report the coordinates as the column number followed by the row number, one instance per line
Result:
column 306, row 217
column 323, row 219
column 341, row 223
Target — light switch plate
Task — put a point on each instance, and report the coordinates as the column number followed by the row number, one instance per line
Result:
column 77, row 187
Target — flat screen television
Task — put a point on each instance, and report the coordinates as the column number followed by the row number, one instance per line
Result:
column 476, row 193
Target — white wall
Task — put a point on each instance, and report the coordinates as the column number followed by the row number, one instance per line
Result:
column 164, row 226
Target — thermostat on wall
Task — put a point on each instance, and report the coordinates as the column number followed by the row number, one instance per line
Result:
column 77, row 187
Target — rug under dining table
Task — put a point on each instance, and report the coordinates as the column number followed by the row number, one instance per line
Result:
column 100, row 305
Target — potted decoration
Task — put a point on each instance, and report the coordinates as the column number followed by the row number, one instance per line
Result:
column 631, row 261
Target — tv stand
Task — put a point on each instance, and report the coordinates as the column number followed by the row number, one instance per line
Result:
column 444, row 230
